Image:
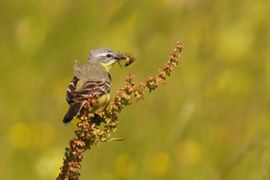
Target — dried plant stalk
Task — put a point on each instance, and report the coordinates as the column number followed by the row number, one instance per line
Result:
column 90, row 132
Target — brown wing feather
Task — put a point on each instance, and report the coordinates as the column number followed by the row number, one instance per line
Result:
column 77, row 97
column 70, row 89
column 90, row 89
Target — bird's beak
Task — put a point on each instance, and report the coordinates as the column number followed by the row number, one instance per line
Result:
column 120, row 56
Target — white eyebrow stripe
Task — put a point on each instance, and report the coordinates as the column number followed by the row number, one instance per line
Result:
column 103, row 54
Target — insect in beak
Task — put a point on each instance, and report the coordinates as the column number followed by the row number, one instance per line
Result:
column 128, row 59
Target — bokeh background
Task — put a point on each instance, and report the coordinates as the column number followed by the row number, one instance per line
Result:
column 211, row 121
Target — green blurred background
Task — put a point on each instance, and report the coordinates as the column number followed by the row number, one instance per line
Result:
column 211, row 121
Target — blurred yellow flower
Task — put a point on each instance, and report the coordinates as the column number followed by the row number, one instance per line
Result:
column 124, row 165
column 159, row 163
column 20, row 135
column 234, row 43
column 29, row 35
column 188, row 153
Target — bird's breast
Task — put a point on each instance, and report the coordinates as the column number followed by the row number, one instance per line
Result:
column 103, row 101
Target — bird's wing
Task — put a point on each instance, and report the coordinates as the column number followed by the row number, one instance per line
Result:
column 81, row 90
column 87, row 89
column 90, row 79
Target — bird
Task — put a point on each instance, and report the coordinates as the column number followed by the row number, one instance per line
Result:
column 90, row 80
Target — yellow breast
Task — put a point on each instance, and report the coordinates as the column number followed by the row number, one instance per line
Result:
column 102, row 102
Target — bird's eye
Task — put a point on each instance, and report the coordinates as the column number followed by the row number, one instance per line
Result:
column 108, row 55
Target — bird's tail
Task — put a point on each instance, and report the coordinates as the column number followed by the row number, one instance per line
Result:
column 72, row 111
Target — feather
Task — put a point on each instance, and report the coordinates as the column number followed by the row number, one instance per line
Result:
column 72, row 111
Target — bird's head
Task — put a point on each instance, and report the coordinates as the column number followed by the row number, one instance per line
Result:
column 106, row 57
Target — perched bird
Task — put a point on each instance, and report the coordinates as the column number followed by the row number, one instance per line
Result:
column 91, row 79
